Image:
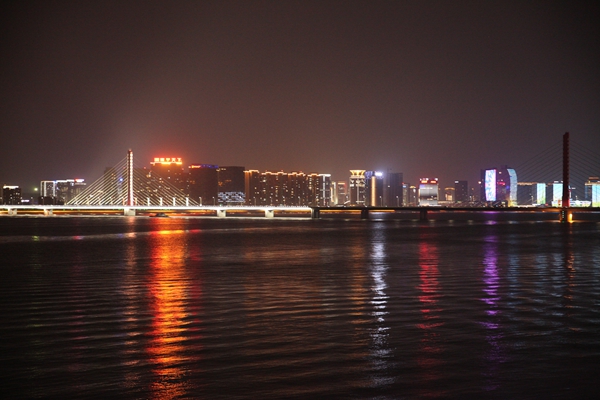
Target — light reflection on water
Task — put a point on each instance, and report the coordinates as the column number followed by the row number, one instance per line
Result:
column 380, row 350
column 493, row 335
column 174, row 308
column 169, row 294
column 430, row 357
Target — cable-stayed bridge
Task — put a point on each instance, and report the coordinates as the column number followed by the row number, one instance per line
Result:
column 126, row 184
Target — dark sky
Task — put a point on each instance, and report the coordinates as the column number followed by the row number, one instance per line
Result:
column 427, row 88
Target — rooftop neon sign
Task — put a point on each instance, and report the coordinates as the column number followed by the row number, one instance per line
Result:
column 167, row 160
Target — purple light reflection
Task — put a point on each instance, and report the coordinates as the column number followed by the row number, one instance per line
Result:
column 491, row 280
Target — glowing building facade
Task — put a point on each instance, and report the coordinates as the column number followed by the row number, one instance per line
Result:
column 499, row 185
column 357, row 187
column 287, row 189
column 374, row 188
column 428, row 192
column 592, row 191
column 554, row 194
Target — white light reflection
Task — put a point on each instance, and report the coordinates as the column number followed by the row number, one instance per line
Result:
column 380, row 350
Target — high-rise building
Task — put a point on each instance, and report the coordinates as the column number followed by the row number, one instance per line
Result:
column 428, row 192
column 47, row 188
column 525, row 193
column 319, row 189
column 47, row 193
column 340, row 192
column 449, row 194
column 554, row 193
column 461, row 191
column 357, row 187
column 231, row 185
column 499, row 185
column 410, row 194
column 169, row 169
column 394, row 196
column 66, row 189
column 592, row 191
column 374, row 186
column 531, row 193
column 11, row 195
column 287, row 189
column 326, row 197
column 204, row 183
column 296, row 191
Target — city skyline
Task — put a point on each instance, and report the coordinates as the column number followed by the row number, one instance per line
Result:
column 430, row 89
column 167, row 178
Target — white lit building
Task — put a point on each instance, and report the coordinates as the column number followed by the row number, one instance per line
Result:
column 428, row 192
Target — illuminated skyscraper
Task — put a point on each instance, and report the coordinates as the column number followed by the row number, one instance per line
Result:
column 342, row 192
column 374, row 188
column 287, row 189
column 66, row 189
column 592, row 191
column 499, row 185
column 169, row 169
column 410, row 194
column 11, row 195
column 449, row 194
column 428, row 192
column 554, row 192
column 252, row 186
column 318, row 189
column 357, row 187
column 47, row 189
column 47, row 193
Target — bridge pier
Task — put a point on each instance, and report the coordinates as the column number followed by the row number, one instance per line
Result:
column 269, row 213
column 364, row 213
column 423, row 214
column 566, row 215
column 128, row 212
column 221, row 213
column 315, row 213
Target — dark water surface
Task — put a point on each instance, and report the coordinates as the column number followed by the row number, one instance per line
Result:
column 139, row 308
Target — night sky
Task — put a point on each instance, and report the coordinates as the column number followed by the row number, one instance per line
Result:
column 427, row 88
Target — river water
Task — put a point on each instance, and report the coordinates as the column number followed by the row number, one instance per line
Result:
column 240, row 308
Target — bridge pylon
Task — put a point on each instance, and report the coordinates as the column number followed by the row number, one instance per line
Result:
column 565, row 191
column 130, row 201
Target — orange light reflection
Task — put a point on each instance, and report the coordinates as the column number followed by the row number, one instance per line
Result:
column 168, row 287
